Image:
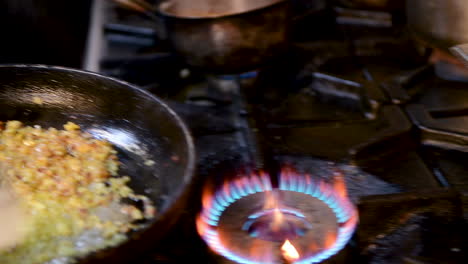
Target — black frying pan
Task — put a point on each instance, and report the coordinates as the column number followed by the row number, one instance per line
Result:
column 137, row 123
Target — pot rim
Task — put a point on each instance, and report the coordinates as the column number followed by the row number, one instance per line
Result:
column 160, row 8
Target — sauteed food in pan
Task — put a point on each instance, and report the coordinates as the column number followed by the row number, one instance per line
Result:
column 120, row 127
column 68, row 183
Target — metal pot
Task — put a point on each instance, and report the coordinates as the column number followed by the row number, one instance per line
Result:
column 438, row 23
column 139, row 125
column 226, row 36
column 221, row 36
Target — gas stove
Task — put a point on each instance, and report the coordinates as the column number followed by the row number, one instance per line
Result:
column 355, row 94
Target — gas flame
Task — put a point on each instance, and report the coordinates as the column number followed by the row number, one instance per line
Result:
column 206, row 198
column 289, row 251
column 339, row 185
column 277, row 219
column 201, row 226
column 272, row 202
column 334, row 195
column 330, row 239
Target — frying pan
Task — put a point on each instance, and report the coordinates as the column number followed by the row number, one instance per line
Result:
column 138, row 124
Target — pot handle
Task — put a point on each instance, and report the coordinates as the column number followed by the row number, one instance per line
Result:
column 461, row 52
column 148, row 11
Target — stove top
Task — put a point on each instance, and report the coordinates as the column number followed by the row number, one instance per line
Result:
column 355, row 93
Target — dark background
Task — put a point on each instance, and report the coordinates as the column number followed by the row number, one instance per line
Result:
column 44, row 31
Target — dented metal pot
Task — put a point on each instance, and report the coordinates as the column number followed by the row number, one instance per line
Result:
column 221, row 36
column 226, row 36
column 438, row 23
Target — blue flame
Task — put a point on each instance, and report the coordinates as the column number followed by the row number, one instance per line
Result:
column 244, row 186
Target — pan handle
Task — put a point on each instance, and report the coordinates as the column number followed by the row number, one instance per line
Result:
column 461, row 52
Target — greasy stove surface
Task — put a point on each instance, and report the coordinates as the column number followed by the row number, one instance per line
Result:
column 354, row 93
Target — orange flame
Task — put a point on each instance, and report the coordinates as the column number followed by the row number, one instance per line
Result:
column 340, row 185
column 270, row 200
column 201, row 226
column 206, row 198
column 226, row 190
column 308, row 179
column 260, row 253
column 313, row 247
column 207, row 203
column 289, row 251
column 330, row 239
column 277, row 219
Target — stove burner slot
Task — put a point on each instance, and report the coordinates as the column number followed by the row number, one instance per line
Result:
column 203, row 120
column 240, row 76
column 346, row 16
column 444, row 113
column 349, row 92
column 433, row 130
column 126, row 29
column 139, row 69
column 398, row 88
column 407, row 231
column 157, row 57
column 130, row 40
column 252, row 128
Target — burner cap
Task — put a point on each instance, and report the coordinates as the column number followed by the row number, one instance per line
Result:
column 277, row 224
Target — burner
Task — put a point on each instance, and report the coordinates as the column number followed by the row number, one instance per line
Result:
column 248, row 221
